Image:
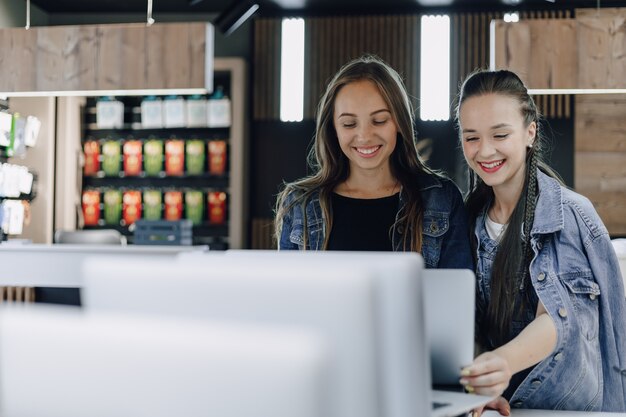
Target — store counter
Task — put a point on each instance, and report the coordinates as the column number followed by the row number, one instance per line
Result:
column 35, row 265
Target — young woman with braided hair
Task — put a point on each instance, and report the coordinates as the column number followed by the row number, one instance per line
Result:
column 551, row 313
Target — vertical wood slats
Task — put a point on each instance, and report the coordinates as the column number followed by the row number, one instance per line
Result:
column 330, row 42
column 17, row 294
column 263, row 233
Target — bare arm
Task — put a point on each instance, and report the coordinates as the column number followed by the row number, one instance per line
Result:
column 491, row 372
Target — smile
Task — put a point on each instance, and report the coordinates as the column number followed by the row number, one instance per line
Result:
column 369, row 151
column 492, row 166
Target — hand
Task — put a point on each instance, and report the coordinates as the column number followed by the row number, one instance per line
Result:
column 489, row 374
column 500, row 404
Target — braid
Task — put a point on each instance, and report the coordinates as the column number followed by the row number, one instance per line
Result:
column 529, row 218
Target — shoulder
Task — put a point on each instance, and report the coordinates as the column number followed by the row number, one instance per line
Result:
column 438, row 189
column 579, row 209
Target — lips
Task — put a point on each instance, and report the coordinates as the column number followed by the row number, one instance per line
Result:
column 368, row 151
column 492, row 166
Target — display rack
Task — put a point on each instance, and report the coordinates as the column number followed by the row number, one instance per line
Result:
column 218, row 233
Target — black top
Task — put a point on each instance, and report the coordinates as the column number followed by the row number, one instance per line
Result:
column 362, row 224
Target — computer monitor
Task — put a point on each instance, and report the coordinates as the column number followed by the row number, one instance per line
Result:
column 383, row 372
column 337, row 300
column 63, row 363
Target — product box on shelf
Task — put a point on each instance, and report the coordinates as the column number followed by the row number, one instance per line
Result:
column 91, row 150
column 195, row 157
column 173, row 205
column 217, row 157
column 112, row 207
column 194, row 207
column 91, row 207
column 131, row 206
column 174, row 157
column 151, row 113
column 217, row 207
column 152, row 202
column 111, row 153
column 153, row 157
column 132, row 158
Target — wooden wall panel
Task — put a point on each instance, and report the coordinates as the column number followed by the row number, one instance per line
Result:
column 602, row 51
column 600, row 152
column 543, row 52
column 586, row 52
column 330, row 42
column 97, row 57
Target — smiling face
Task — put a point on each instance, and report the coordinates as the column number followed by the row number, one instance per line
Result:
column 365, row 127
column 495, row 138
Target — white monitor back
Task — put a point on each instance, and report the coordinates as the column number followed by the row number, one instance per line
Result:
column 337, row 299
column 402, row 350
column 57, row 363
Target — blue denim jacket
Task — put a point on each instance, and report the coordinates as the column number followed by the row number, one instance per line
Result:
column 445, row 227
column 576, row 275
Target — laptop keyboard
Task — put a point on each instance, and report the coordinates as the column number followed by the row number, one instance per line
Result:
column 435, row 405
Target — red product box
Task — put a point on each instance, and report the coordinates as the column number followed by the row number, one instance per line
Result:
column 132, row 157
column 174, row 157
column 173, row 205
column 91, row 150
column 217, row 207
column 91, row 207
column 131, row 207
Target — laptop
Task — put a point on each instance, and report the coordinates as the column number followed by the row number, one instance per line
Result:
column 382, row 364
column 62, row 363
column 449, row 301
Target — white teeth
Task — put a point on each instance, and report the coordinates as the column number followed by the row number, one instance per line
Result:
column 492, row 164
column 367, row 151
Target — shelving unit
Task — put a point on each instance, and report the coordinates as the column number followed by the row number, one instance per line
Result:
column 228, row 72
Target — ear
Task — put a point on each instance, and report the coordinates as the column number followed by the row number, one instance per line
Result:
column 532, row 134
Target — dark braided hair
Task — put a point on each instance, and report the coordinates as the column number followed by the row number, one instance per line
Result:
column 511, row 288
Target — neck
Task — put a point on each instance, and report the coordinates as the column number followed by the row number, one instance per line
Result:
column 506, row 199
column 369, row 185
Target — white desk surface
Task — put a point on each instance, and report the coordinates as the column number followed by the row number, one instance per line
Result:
column 35, row 265
column 541, row 413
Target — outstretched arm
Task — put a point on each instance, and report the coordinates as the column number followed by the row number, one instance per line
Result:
column 491, row 372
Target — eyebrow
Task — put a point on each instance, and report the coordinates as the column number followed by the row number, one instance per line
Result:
column 494, row 127
column 371, row 114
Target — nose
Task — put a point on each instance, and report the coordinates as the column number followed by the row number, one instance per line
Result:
column 485, row 149
column 364, row 131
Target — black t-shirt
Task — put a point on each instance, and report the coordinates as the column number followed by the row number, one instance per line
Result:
column 362, row 224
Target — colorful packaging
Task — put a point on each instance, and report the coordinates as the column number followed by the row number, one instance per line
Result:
column 194, row 206
column 152, row 200
column 195, row 157
column 217, row 207
column 111, row 152
column 132, row 158
column 153, row 157
column 91, row 207
column 91, row 150
column 112, row 207
column 131, row 206
column 174, row 157
column 173, row 205
column 217, row 157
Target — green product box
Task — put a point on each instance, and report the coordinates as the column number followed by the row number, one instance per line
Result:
column 152, row 200
column 195, row 157
column 194, row 206
column 111, row 158
column 153, row 157
column 112, row 207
